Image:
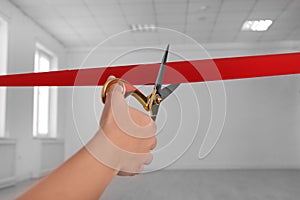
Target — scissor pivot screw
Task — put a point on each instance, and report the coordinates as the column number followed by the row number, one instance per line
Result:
column 158, row 99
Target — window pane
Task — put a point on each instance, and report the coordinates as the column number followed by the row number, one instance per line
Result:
column 3, row 69
column 44, row 64
column 42, row 97
column 43, row 110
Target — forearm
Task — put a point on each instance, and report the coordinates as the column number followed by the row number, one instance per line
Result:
column 123, row 143
column 81, row 177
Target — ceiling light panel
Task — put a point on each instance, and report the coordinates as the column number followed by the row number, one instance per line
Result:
column 257, row 25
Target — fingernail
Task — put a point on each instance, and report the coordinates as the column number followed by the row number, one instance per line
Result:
column 111, row 77
column 119, row 88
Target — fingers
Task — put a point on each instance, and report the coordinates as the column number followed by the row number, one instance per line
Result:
column 127, row 133
column 121, row 173
column 153, row 143
column 130, row 120
column 118, row 158
column 148, row 159
column 139, row 168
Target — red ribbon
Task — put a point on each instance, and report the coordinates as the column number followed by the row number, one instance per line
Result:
column 176, row 72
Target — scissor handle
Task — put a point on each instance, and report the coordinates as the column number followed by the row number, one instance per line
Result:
column 128, row 89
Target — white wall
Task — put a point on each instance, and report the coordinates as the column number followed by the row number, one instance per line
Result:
column 7, row 164
column 262, row 123
column 23, row 35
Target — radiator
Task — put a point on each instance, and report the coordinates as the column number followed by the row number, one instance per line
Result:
column 51, row 155
column 7, row 163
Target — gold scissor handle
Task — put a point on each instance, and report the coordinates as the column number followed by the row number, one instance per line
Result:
column 129, row 89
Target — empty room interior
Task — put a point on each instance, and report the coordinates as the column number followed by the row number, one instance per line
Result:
column 217, row 114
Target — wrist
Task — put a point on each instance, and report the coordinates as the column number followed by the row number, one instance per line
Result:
column 103, row 167
column 104, row 152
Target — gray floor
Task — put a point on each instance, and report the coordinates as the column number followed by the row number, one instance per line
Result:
column 200, row 184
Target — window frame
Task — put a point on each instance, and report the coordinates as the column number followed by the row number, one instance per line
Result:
column 3, row 71
column 41, row 50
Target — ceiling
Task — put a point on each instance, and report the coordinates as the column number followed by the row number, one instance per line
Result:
column 84, row 23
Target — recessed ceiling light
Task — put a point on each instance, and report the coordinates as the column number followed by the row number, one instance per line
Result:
column 203, row 7
column 257, row 25
column 143, row 27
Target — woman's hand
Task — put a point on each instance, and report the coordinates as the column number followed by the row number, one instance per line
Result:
column 121, row 146
column 125, row 137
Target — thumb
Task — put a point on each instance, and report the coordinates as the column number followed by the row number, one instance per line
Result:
column 115, row 91
column 114, row 98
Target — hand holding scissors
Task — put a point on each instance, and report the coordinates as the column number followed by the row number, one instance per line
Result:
column 151, row 102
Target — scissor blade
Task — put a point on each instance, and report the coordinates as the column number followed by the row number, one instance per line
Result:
column 166, row 91
column 160, row 75
column 154, row 111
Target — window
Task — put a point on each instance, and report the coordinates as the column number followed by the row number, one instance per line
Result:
column 3, row 70
column 45, row 98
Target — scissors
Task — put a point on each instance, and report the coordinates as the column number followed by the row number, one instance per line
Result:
column 151, row 102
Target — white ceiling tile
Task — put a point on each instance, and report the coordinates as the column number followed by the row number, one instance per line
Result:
column 231, row 16
column 240, row 6
column 112, row 30
column 100, row 2
column 135, row 2
column 74, row 43
column 65, row 2
column 294, row 5
column 203, row 6
column 69, row 37
column 89, row 31
column 270, row 5
column 41, row 12
column 140, row 19
column 112, row 21
column 170, row 1
column 72, row 40
column 73, row 11
column 174, row 27
column 230, row 27
column 199, row 36
column 170, row 19
column 106, row 11
column 265, row 14
column 170, row 8
column 27, row 3
column 221, row 39
column 93, row 38
column 125, row 39
column 289, row 15
column 138, row 9
column 222, row 36
column 199, row 28
column 124, row 36
column 84, row 22
column 169, row 38
column 55, row 24
column 194, row 19
column 282, row 26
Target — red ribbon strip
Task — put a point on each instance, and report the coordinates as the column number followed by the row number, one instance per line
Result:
column 176, row 72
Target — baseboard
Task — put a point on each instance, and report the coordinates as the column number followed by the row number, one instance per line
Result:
column 7, row 182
